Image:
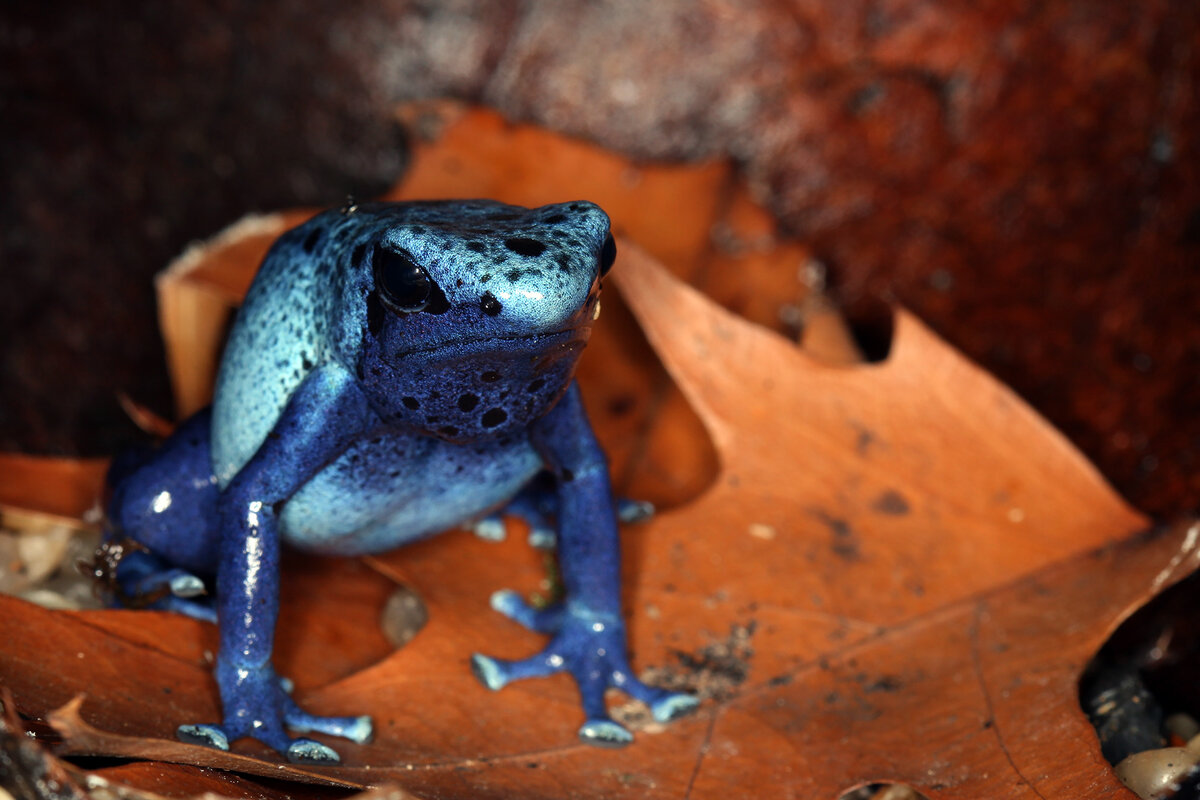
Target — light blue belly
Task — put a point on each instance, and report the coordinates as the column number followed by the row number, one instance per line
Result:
column 390, row 490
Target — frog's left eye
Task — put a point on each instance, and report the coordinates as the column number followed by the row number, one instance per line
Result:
column 404, row 286
column 608, row 254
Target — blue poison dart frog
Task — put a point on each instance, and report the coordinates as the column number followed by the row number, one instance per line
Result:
column 397, row 369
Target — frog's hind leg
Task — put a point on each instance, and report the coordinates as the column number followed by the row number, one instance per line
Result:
column 161, row 515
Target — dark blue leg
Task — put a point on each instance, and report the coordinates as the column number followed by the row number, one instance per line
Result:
column 146, row 582
column 165, row 501
column 170, row 503
column 588, row 634
column 322, row 416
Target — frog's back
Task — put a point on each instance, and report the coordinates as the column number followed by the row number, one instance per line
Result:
column 280, row 334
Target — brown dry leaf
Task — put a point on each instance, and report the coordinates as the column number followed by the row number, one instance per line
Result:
column 65, row 487
column 876, row 572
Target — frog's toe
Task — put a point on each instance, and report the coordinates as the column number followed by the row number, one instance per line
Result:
column 542, row 536
column 496, row 673
column 511, row 605
column 184, row 584
column 490, row 528
column 489, row 671
column 206, row 735
column 145, row 580
column 673, row 706
column 140, row 573
column 664, row 704
column 357, row 729
column 604, row 733
column 634, row 510
column 308, row 751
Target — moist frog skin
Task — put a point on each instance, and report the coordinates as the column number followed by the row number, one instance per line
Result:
column 396, row 370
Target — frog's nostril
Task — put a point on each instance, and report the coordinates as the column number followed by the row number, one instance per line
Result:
column 521, row 245
column 490, row 305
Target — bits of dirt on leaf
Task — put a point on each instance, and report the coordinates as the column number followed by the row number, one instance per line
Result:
column 714, row 671
column 891, row 503
column 884, row 683
column 845, row 542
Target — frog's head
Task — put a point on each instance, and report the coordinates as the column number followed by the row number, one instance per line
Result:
column 472, row 314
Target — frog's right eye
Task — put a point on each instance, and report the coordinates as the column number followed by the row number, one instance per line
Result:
column 403, row 285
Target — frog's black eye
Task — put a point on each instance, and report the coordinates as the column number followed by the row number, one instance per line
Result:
column 403, row 285
column 608, row 254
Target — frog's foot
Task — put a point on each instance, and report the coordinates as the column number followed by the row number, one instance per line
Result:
column 258, row 706
column 531, row 506
column 145, row 582
column 592, row 648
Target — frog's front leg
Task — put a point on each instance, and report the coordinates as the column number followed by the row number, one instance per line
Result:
column 588, row 633
column 322, row 415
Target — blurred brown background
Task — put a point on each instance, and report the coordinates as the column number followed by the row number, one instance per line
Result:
column 1024, row 175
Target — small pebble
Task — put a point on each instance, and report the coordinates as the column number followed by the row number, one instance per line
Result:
column 1154, row 774
column 760, row 531
column 898, row 791
column 883, row 791
column 403, row 616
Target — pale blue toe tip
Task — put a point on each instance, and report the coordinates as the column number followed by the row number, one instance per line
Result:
column 674, row 707
column 488, row 671
column 604, row 733
column 506, row 601
column 187, row 586
column 361, row 732
column 204, row 735
column 307, row 751
column 542, row 539
column 490, row 530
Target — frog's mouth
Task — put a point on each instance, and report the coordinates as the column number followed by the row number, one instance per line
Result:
column 570, row 339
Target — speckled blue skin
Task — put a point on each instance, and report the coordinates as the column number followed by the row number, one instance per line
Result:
column 345, row 424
